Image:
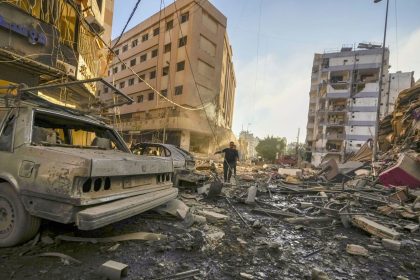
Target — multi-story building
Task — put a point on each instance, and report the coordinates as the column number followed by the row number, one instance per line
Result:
column 178, row 69
column 54, row 40
column 343, row 99
column 247, row 144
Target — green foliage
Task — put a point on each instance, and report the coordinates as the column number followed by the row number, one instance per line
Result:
column 270, row 146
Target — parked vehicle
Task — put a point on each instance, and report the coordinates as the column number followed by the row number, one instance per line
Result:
column 67, row 167
column 183, row 161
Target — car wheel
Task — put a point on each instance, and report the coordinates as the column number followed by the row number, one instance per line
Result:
column 16, row 224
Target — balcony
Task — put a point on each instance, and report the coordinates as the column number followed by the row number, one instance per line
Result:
column 367, row 90
column 334, row 136
column 338, row 90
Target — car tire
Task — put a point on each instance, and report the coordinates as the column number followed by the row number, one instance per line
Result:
column 16, row 224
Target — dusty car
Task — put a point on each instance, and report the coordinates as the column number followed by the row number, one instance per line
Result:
column 59, row 165
column 183, row 161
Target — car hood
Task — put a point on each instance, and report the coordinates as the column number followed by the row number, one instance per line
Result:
column 110, row 162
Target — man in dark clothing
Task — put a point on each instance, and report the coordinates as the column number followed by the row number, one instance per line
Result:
column 229, row 164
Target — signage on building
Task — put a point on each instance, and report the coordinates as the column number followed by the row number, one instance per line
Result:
column 26, row 36
column 34, row 37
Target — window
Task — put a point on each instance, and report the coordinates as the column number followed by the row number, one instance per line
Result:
column 145, row 37
column 155, row 53
column 6, row 136
column 182, row 41
column 180, row 66
column 169, row 25
column 99, row 92
column 140, row 98
column 143, row 57
column 185, row 17
column 142, row 77
column 125, row 48
column 106, row 89
column 123, row 67
column 117, row 52
column 167, row 48
column 164, row 92
column 3, row 113
column 133, row 62
column 134, row 43
column 165, row 71
column 153, row 74
column 151, row 96
column 156, row 31
column 178, row 90
column 122, row 84
column 115, row 70
column 131, row 82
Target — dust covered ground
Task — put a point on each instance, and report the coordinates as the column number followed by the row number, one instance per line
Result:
column 266, row 247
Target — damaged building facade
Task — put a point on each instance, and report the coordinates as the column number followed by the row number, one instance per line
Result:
column 45, row 41
column 344, row 97
column 179, row 71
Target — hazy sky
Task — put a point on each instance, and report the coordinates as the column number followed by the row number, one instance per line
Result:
column 274, row 41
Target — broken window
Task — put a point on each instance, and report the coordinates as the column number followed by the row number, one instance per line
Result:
column 167, row 48
column 164, row 92
column 180, row 66
column 6, row 134
column 140, row 98
column 165, row 71
column 134, row 43
column 155, row 53
column 145, row 37
column 57, row 130
column 151, row 96
column 185, row 17
column 169, row 25
column 153, row 74
column 123, row 67
column 143, row 57
column 182, row 41
column 141, row 78
column 133, row 62
column 131, row 82
column 178, row 90
column 125, row 48
column 156, row 31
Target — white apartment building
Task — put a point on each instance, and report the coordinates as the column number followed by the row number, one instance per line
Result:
column 344, row 99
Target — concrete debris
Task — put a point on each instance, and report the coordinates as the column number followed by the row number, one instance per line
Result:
column 411, row 227
column 391, row 244
column 357, row 250
column 246, row 276
column 375, row 228
column 213, row 217
column 252, row 193
column 66, row 258
column 148, row 236
column 114, row 248
column 318, row 274
column 113, row 270
column 175, row 207
column 290, row 172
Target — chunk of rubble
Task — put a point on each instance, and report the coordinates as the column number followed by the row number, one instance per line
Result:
column 175, row 207
column 113, row 270
column 357, row 250
column 390, row 244
column 213, row 217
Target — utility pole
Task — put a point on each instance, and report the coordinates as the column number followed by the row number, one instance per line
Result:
column 378, row 109
column 297, row 147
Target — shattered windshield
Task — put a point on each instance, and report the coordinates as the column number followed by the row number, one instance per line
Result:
column 56, row 130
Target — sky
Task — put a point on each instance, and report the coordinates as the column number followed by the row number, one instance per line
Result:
column 273, row 44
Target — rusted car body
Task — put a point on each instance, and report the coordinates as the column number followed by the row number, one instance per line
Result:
column 183, row 162
column 71, row 168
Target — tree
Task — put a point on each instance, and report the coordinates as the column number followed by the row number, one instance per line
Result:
column 270, row 146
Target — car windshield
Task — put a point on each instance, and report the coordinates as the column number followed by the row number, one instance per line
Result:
column 56, row 130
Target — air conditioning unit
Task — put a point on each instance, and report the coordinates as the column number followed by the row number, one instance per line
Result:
column 94, row 24
column 67, row 68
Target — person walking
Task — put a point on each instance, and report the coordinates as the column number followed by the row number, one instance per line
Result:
column 229, row 163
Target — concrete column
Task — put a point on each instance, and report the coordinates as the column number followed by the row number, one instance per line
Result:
column 185, row 140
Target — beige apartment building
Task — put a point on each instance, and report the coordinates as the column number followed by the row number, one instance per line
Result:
column 183, row 53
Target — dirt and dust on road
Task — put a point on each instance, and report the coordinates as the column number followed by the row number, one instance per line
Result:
column 269, row 224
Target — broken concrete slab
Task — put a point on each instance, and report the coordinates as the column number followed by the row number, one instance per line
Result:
column 213, row 217
column 290, row 172
column 252, row 193
column 113, row 270
column 175, row 207
column 391, row 244
column 246, row 276
column 412, row 227
column 357, row 250
column 374, row 228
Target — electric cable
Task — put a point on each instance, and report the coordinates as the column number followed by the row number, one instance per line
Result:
column 126, row 24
